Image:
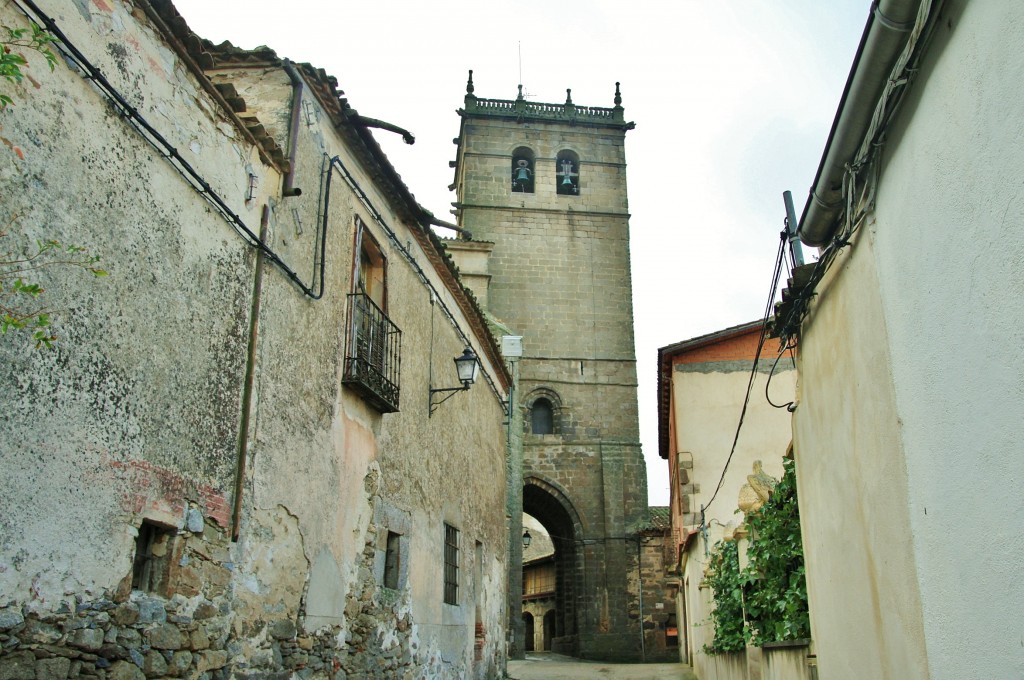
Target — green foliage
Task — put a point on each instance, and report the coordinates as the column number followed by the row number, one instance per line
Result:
column 726, row 583
column 776, row 601
column 771, row 593
column 11, row 62
column 21, row 307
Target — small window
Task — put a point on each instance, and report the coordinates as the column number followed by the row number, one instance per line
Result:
column 392, row 560
column 154, row 548
column 567, row 173
column 522, row 170
column 451, row 564
column 370, row 268
column 542, row 417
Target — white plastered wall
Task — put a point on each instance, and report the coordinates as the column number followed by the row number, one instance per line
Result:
column 951, row 274
column 909, row 426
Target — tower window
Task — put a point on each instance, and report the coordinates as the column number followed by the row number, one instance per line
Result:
column 567, row 173
column 542, row 417
column 522, row 170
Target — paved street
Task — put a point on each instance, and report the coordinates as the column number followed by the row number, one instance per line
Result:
column 548, row 666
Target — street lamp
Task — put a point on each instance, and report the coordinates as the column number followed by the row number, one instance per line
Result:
column 526, row 539
column 467, row 367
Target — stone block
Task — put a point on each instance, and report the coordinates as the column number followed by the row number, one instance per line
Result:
column 165, row 636
column 179, row 664
column 124, row 670
column 87, row 638
column 18, row 666
column 56, row 668
column 9, row 618
column 155, row 665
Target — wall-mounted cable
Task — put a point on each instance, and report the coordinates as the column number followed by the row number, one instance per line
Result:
column 75, row 57
column 776, row 275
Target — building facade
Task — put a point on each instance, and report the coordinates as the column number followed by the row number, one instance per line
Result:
column 907, row 431
column 234, row 462
column 702, row 384
column 542, row 190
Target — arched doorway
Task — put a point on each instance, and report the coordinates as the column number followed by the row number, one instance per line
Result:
column 549, row 626
column 529, row 634
column 548, row 504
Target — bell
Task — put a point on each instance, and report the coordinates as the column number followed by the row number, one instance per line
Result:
column 566, row 180
column 522, row 174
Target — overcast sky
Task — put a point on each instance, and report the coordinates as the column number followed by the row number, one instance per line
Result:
column 732, row 99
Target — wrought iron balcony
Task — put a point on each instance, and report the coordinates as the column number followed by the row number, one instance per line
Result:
column 373, row 356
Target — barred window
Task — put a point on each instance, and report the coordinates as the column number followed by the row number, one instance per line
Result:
column 451, row 564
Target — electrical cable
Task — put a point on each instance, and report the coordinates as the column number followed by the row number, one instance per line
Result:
column 152, row 136
column 768, row 383
column 776, row 274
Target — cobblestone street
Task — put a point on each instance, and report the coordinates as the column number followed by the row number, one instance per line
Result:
column 547, row 666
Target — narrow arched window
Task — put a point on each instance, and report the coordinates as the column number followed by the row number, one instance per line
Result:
column 542, row 417
column 567, row 173
column 522, row 170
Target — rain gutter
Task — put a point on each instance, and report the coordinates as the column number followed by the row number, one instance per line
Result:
column 885, row 34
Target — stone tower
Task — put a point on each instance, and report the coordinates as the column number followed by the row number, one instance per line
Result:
column 542, row 190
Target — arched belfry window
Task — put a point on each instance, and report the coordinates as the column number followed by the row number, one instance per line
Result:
column 567, row 173
column 522, row 170
column 542, row 417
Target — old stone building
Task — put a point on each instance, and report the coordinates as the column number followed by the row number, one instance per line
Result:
column 542, row 189
column 235, row 461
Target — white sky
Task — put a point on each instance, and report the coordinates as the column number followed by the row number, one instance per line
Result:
column 732, row 99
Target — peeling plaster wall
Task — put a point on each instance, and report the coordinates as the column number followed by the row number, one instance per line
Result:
column 135, row 415
column 135, row 411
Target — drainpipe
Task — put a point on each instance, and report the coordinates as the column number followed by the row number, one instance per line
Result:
column 288, row 187
column 431, row 219
column 885, row 34
column 250, row 378
column 366, row 121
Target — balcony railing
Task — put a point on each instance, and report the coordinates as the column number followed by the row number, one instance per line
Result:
column 373, row 356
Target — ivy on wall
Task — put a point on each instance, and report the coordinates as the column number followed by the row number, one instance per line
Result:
column 776, row 597
column 766, row 601
column 726, row 582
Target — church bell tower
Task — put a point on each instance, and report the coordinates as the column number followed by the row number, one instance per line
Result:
column 541, row 188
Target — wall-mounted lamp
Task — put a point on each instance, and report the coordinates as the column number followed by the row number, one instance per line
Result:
column 527, row 539
column 468, row 368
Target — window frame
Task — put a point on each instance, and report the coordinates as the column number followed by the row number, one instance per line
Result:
column 451, row 565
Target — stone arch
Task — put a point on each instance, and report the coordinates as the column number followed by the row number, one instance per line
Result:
column 548, row 624
column 549, row 504
column 530, row 633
